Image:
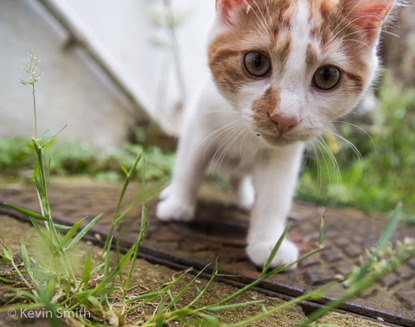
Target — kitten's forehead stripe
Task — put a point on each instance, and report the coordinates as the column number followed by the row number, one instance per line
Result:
column 281, row 53
column 311, row 56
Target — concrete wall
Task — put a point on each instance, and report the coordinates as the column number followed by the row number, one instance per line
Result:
column 73, row 90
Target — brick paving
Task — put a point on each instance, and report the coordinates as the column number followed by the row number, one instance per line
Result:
column 219, row 231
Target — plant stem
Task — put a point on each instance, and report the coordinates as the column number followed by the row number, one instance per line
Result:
column 34, row 108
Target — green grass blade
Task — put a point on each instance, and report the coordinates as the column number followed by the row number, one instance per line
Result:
column 26, row 259
column 123, row 168
column 107, row 265
column 383, row 241
column 50, row 139
column 232, row 306
column 159, row 313
column 390, row 229
column 69, row 234
column 84, row 230
column 122, row 216
column 209, row 283
column 7, row 253
column 26, row 212
column 275, row 250
column 39, row 231
column 164, row 289
column 5, row 259
column 87, row 270
column 184, row 290
column 81, row 298
column 97, row 268
column 321, row 234
column 62, row 227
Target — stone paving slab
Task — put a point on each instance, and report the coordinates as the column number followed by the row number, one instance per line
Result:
column 219, row 231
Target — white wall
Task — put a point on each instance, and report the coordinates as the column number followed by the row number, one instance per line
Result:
column 73, row 90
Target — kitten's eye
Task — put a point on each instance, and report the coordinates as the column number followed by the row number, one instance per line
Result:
column 326, row 78
column 257, row 64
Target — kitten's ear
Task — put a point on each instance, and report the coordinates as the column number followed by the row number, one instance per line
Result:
column 224, row 7
column 368, row 15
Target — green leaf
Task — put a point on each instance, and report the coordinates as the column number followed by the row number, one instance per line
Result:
column 124, row 169
column 159, row 313
column 232, row 306
column 94, row 271
column 44, row 134
column 39, row 231
column 62, row 227
column 7, row 253
column 390, row 229
column 382, row 242
column 26, row 259
column 26, row 212
column 84, row 230
column 108, row 260
column 69, row 234
column 87, row 270
column 94, row 301
column 122, row 216
column 275, row 250
column 5, row 259
column 321, row 234
column 53, row 137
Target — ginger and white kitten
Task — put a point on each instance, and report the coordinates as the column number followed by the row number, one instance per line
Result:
column 280, row 72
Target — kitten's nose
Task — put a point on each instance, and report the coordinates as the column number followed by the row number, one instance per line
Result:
column 284, row 121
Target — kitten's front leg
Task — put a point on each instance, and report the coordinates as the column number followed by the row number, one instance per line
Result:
column 275, row 178
column 178, row 200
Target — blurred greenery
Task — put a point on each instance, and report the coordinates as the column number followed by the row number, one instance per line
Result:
column 73, row 158
column 385, row 173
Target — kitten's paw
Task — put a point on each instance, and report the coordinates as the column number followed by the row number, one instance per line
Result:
column 259, row 253
column 165, row 193
column 172, row 209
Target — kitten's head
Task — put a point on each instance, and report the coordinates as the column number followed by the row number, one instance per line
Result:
column 292, row 66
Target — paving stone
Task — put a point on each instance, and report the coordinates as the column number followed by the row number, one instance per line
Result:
column 331, row 255
column 220, row 231
column 310, row 261
column 412, row 263
column 405, row 272
column 390, row 280
column 342, row 241
column 319, row 275
column 343, row 267
column 353, row 250
column 408, row 296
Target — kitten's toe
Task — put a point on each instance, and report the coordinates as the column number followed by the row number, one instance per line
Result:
column 172, row 209
column 259, row 253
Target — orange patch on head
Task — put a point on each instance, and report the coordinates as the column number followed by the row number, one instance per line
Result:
column 332, row 23
column 264, row 28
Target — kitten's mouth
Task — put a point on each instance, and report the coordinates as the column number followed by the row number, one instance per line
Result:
column 277, row 139
column 282, row 139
